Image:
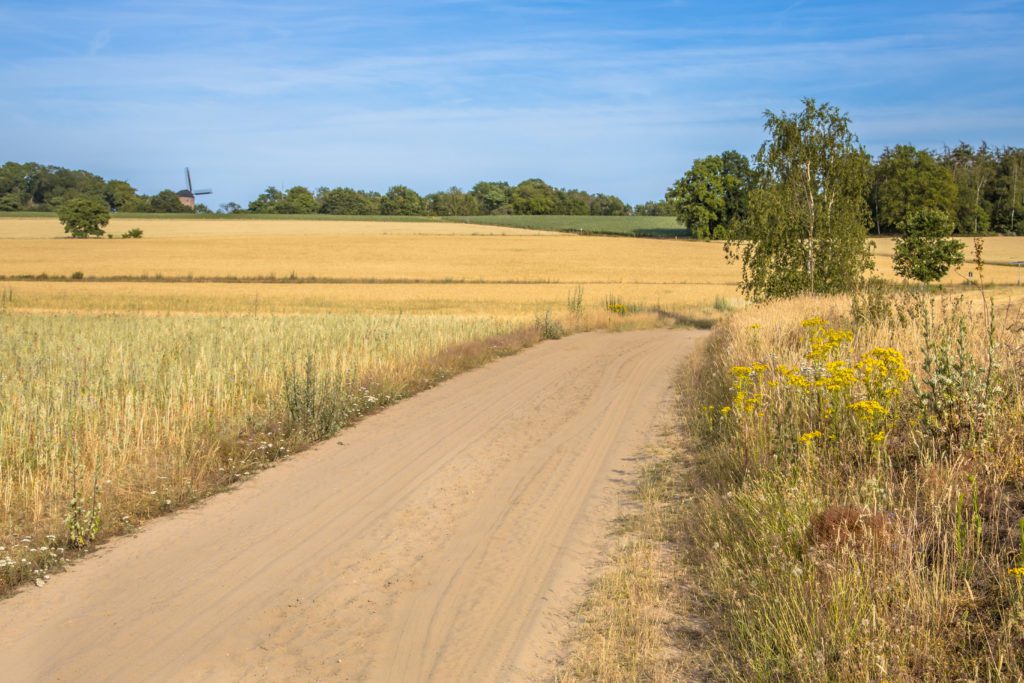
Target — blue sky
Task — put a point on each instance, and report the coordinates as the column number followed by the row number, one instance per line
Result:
column 615, row 97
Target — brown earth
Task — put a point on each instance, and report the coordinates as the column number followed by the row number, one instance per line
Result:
column 447, row 538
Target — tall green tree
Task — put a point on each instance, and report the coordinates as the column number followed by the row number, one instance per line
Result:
column 608, row 205
column 925, row 249
column 711, row 198
column 344, row 201
column 806, row 231
column 84, row 216
column 699, row 197
column 534, row 197
column 453, row 202
column 267, row 201
column 400, row 200
column 493, row 198
column 166, row 201
column 297, row 200
column 119, row 194
column 973, row 170
column 1007, row 192
column 908, row 179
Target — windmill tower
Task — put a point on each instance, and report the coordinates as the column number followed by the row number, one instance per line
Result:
column 188, row 196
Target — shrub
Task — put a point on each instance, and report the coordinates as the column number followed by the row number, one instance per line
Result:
column 84, row 217
column 134, row 234
column 77, row 275
column 547, row 326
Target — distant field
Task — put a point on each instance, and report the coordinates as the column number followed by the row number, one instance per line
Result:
column 634, row 226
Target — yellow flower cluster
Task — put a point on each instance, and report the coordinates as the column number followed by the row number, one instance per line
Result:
column 824, row 340
column 808, row 438
column 1017, row 571
column 868, row 411
column 882, row 370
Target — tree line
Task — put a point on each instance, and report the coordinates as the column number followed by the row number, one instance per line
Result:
column 530, row 197
column 36, row 187
column 980, row 189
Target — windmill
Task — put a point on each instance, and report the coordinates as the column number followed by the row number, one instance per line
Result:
column 188, row 196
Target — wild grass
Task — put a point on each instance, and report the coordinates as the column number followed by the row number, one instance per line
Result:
column 639, row 604
column 861, row 495
column 107, row 420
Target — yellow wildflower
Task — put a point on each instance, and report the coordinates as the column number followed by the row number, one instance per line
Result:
column 868, row 411
column 808, row 438
column 725, row 410
column 1017, row 571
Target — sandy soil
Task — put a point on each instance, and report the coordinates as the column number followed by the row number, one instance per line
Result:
column 447, row 538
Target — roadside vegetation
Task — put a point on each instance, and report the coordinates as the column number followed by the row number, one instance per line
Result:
column 861, row 509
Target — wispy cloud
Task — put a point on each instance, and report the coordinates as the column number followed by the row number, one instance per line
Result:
column 614, row 97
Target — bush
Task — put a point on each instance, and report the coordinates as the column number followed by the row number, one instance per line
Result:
column 84, row 217
column 77, row 275
column 547, row 326
column 134, row 234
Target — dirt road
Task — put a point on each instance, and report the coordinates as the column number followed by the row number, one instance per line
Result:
column 447, row 538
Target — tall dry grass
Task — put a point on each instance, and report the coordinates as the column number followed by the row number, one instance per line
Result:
column 862, row 490
column 106, row 420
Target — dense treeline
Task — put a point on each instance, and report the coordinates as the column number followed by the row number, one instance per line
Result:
column 530, row 197
column 35, row 187
column 981, row 189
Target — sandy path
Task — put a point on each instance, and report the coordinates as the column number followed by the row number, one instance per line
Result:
column 447, row 538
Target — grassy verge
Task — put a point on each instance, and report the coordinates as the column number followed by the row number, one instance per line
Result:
column 636, row 623
column 860, row 502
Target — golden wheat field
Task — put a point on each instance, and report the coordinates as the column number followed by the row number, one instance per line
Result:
column 120, row 399
column 124, row 399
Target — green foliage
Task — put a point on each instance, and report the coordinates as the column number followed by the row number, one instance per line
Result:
column 547, row 327
column 1007, row 192
column 699, row 197
column 166, row 201
column 907, row 179
column 400, row 200
column 973, row 170
column 711, row 198
column 535, row 197
column 84, row 216
column 267, row 201
column 297, row 200
column 925, row 250
column 493, row 198
column 133, row 234
column 660, row 208
column 119, row 194
column 344, row 201
column 575, row 301
column 452, row 202
column 806, row 229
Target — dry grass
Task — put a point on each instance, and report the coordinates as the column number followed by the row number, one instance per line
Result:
column 851, row 526
column 105, row 420
column 639, row 605
column 506, row 300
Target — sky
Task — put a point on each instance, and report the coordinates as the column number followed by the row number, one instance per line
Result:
column 613, row 97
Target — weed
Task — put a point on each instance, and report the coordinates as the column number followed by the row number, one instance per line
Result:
column 547, row 327
column 575, row 301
